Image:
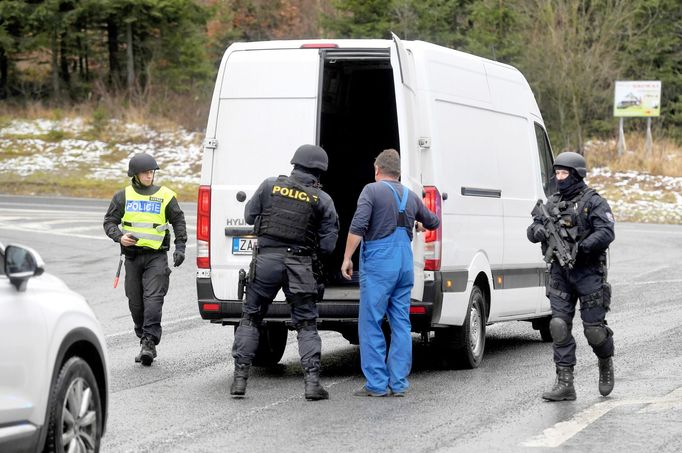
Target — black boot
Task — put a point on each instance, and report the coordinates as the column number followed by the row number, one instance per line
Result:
column 606, row 379
column 563, row 389
column 138, row 357
column 241, row 374
column 147, row 352
column 313, row 389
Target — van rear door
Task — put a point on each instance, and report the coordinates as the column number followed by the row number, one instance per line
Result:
column 410, row 167
column 268, row 107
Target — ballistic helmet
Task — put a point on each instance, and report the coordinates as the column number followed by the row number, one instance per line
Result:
column 141, row 162
column 572, row 160
column 311, row 156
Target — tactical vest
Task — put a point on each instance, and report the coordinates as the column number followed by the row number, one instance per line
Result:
column 290, row 216
column 145, row 216
column 571, row 215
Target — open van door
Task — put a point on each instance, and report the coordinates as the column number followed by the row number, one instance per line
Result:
column 410, row 160
column 268, row 108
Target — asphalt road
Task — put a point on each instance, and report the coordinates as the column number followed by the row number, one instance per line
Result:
column 181, row 402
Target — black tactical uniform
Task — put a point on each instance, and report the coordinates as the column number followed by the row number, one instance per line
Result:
column 294, row 221
column 146, row 269
column 588, row 224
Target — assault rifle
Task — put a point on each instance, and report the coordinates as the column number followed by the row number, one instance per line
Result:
column 557, row 246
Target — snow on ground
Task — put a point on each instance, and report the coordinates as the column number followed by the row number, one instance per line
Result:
column 61, row 147
column 639, row 197
column 37, row 146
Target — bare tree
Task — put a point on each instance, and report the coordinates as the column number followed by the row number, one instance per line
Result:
column 572, row 59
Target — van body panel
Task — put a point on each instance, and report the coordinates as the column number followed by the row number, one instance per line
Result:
column 410, row 161
column 259, row 115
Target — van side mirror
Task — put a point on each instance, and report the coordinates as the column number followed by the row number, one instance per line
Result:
column 22, row 263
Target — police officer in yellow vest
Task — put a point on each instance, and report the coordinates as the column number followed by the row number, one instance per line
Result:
column 138, row 218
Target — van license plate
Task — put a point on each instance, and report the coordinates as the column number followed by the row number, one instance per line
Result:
column 243, row 246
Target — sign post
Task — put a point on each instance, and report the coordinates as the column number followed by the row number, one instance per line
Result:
column 636, row 99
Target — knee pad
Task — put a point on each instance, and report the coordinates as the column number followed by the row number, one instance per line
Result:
column 596, row 333
column 559, row 330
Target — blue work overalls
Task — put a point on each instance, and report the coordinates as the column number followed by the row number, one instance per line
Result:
column 386, row 280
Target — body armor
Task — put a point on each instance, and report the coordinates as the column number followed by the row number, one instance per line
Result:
column 290, row 217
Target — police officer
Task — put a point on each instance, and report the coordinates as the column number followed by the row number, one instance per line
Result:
column 383, row 222
column 138, row 218
column 294, row 220
column 585, row 220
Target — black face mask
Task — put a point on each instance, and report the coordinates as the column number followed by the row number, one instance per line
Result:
column 570, row 186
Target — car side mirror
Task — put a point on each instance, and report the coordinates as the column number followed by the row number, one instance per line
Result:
column 22, row 263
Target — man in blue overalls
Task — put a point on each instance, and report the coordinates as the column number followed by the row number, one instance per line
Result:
column 383, row 222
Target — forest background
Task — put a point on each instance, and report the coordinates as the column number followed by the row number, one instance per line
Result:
column 108, row 58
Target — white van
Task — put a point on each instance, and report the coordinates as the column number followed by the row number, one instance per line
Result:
column 471, row 139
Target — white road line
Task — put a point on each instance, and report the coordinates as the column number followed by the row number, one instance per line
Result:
column 163, row 323
column 55, row 233
column 671, row 400
column 649, row 282
column 652, row 231
column 562, row 431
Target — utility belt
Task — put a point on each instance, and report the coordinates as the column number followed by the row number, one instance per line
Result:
column 283, row 250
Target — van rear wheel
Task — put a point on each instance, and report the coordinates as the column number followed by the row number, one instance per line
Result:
column 473, row 331
column 271, row 344
column 464, row 346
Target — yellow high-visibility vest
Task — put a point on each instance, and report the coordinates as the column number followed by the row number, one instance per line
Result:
column 145, row 216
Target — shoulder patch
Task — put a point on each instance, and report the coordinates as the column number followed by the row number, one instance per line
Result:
column 609, row 216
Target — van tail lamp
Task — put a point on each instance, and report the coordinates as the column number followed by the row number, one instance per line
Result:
column 204, row 227
column 433, row 240
column 319, row 45
column 417, row 310
column 211, row 307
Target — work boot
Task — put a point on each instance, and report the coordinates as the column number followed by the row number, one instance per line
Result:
column 148, row 351
column 313, row 389
column 563, row 389
column 138, row 357
column 606, row 379
column 241, row 374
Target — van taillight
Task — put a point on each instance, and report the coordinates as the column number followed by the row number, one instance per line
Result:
column 433, row 239
column 204, row 228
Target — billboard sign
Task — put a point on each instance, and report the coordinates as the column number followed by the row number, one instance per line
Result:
column 637, row 98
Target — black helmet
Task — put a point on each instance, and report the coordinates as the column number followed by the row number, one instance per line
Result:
column 572, row 160
column 311, row 156
column 141, row 162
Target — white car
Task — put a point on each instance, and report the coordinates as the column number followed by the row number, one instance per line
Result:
column 53, row 361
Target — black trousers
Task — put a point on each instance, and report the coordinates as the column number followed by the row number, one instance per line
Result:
column 294, row 275
column 146, row 284
column 584, row 282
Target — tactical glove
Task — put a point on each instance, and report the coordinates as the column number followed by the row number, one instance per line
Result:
column 540, row 234
column 178, row 258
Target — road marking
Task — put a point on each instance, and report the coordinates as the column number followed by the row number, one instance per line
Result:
column 671, row 400
column 649, row 282
column 56, row 233
column 169, row 323
column 559, row 433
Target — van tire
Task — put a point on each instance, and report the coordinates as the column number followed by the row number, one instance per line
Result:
column 462, row 347
column 473, row 331
column 542, row 325
column 271, row 344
